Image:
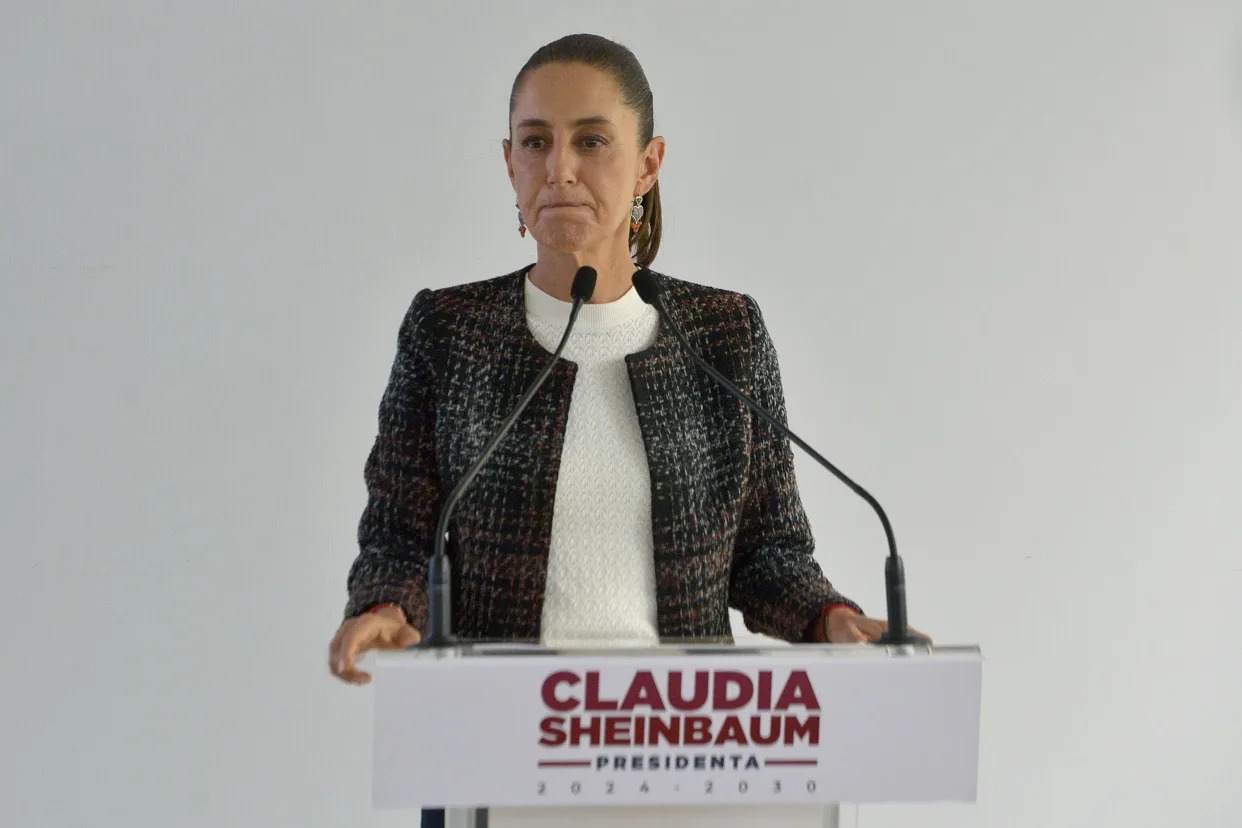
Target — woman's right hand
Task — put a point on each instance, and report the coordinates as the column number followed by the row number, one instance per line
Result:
column 383, row 629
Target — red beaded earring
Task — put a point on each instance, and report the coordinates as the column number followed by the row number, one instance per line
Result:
column 636, row 214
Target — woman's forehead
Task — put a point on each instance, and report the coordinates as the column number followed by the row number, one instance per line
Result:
column 569, row 95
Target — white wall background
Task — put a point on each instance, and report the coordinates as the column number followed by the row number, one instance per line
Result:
column 999, row 246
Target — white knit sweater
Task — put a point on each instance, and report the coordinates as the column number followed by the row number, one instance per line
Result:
column 601, row 575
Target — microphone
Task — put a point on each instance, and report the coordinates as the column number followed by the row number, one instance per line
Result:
column 439, row 631
column 652, row 292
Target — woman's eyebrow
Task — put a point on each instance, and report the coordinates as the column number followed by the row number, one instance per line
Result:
column 593, row 120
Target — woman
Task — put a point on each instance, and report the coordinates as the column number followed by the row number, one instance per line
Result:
column 634, row 500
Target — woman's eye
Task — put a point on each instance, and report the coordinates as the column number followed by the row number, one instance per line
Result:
column 588, row 141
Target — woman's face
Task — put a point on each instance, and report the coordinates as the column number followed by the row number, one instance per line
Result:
column 574, row 158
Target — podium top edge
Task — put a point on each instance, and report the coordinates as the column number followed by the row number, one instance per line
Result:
column 481, row 649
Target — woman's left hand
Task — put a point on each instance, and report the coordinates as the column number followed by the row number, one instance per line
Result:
column 844, row 626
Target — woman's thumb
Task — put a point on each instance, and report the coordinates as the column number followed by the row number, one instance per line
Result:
column 408, row 636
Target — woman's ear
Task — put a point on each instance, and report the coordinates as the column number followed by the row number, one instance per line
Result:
column 506, row 146
column 652, row 160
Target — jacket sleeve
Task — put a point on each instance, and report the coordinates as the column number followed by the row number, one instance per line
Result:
column 403, row 485
column 775, row 581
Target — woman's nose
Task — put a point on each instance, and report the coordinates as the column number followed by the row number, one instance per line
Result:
column 561, row 164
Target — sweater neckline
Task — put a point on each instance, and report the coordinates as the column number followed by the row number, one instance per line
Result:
column 544, row 307
column 516, row 312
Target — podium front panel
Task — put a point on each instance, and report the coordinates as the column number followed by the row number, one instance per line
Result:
column 811, row 724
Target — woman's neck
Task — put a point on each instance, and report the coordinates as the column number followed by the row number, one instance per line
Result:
column 554, row 271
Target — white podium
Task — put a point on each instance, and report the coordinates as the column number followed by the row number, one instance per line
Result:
column 510, row 735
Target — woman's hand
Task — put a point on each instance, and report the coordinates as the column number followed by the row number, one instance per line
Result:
column 844, row 626
column 384, row 629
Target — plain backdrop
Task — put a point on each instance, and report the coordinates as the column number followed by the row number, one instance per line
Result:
column 999, row 247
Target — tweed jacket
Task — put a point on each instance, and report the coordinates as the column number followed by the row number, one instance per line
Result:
column 728, row 525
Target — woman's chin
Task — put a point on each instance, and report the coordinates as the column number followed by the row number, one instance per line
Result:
column 567, row 237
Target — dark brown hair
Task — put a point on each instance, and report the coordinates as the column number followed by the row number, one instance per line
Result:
column 618, row 61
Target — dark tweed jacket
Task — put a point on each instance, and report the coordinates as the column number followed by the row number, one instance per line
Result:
column 727, row 522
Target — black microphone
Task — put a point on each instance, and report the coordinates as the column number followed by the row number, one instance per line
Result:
column 439, row 631
column 652, row 292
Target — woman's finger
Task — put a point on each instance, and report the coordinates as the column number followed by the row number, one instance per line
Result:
column 860, row 635
column 353, row 672
column 407, row 636
column 387, row 636
column 334, row 650
column 397, row 636
column 360, row 638
column 355, row 676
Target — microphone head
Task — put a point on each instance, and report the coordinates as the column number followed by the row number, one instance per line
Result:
column 584, row 283
column 646, row 285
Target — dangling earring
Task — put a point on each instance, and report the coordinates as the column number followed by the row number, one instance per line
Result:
column 636, row 214
column 521, row 221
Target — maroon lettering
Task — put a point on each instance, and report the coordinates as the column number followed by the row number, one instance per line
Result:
column 593, row 701
column 808, row 729
column 577, row 731
column 553, row 731
column 549, row 691
column 698, row 730
column 670, row 730
column 739, row 681
column 678, row 701
column 764, row 701
column 616, row 730
column 731, row 731
column 757, row 736
column 798, row 690
column 643, row 690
